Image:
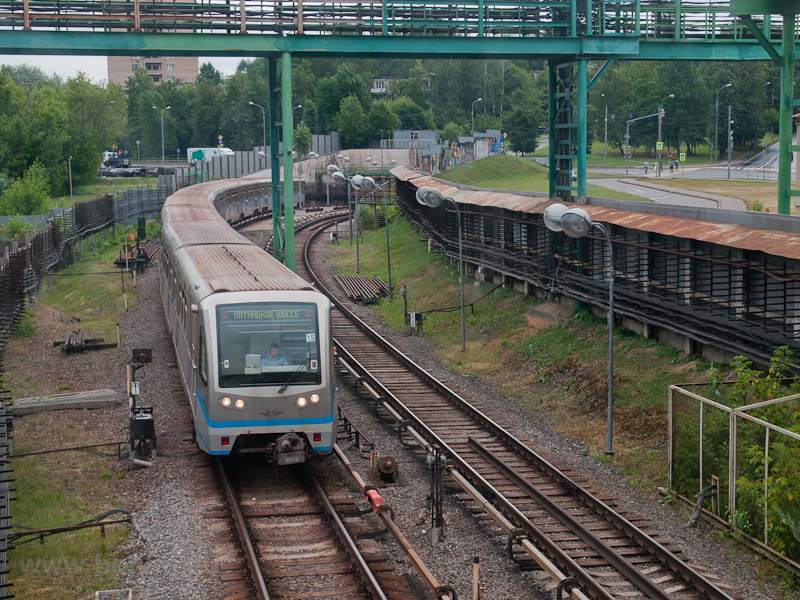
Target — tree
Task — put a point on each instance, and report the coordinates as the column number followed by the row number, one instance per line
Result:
column 381, row 120
column 415, row 86
column 351, row 123
column 451, row 132
column 332, row 90
column 15, row 229
column 29, row 195
column 301, row 139
column 522, row 126
column 412, row 115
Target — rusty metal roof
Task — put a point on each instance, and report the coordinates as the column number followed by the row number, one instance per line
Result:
column 776, row 243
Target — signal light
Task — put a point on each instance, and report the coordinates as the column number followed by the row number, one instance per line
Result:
column 317, row 437
column 226, row 441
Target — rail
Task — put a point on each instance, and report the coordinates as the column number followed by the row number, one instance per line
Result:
column 428, row 438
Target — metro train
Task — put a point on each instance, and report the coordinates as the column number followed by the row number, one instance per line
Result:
column 253, row 340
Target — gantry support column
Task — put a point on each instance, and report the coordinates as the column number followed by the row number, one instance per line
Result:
column 275, row 137
column 785, row 192
column 288, row 163
column 581, row 118
column 551, row 127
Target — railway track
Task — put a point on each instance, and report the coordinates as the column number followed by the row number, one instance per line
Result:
column 553, row 521
column 294, row 542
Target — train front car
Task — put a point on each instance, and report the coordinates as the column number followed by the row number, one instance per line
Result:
column 253, row 340
column 269, row 383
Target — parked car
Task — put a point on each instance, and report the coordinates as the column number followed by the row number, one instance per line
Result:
column 117, row 172
column 104, row 172
column 153, row 172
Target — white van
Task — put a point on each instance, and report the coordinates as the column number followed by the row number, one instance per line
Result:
column 206, row 154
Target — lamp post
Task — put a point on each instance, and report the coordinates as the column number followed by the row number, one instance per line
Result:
column 163, row 160
column 628, row 136
column 432, row 198
column 368, row 184
column 69, row 163
column 772, row 105
column 472, row 111
column 263, row 123
column 138, row 158
column 660, row 117
column 716, row 125
column 605, row 143
column 332, row 170
column 294, row 109
column 576, row 223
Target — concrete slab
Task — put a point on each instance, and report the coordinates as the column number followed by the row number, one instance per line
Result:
column 87, row 399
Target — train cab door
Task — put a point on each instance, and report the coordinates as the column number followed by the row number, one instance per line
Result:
column 199, row 376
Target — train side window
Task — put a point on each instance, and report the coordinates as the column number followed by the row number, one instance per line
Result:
column 201, row 359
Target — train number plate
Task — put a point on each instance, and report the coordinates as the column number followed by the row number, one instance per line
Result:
column 291, row 458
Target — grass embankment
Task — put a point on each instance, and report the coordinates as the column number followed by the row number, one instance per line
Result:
column 102, row 185
column 514, row 173
column 64, row 488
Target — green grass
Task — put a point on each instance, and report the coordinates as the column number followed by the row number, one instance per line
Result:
column 101, row 186
column 640, row 154
column 514, row 173
column 56, row 490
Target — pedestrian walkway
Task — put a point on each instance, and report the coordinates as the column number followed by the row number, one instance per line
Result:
column 669, row 195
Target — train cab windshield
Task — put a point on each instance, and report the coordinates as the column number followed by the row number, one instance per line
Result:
column 268, row 343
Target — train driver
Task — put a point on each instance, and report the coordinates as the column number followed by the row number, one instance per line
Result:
column 274, row 360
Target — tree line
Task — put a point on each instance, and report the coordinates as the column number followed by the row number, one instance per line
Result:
column 45, row 120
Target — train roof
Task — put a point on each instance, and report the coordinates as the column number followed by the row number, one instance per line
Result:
column 242, row 268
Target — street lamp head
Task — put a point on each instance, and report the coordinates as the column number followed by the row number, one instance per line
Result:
column 366, row 184
column 368, row 159
column 168, row 108
column 374, row 163
column 338, row 177
column 331, row 169
column 298, row 106
column 576, row 222
column 552, row 216
column 728, row 85
column 768, row 83
column 155, row 107
column 261, row 153
column 479, row 99
column 430, row 197
column 671, row 96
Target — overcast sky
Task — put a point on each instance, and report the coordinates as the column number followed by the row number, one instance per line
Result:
column 95, row 67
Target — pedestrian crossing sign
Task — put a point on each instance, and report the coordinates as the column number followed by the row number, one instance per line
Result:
column 659, row 145
column 683, row 156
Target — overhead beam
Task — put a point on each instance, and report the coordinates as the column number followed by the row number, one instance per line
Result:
column 762, row 39
column 206, row 44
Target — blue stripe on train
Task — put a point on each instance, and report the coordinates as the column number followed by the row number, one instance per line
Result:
column 262, row 422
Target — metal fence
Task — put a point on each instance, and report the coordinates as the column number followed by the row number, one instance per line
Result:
column 745, row 457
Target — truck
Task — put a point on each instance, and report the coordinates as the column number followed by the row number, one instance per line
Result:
column 206, row 154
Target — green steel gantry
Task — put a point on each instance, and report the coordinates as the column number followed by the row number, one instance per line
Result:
column 566, row 33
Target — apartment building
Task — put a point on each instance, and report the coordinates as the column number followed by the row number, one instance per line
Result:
column 160, row 68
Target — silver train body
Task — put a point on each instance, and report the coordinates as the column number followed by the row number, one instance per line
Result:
column 226, row 303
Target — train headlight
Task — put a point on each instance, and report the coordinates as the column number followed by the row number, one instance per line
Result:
column 225, row 401
column 239, row 404
column 314, row 398
column 301, row 402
